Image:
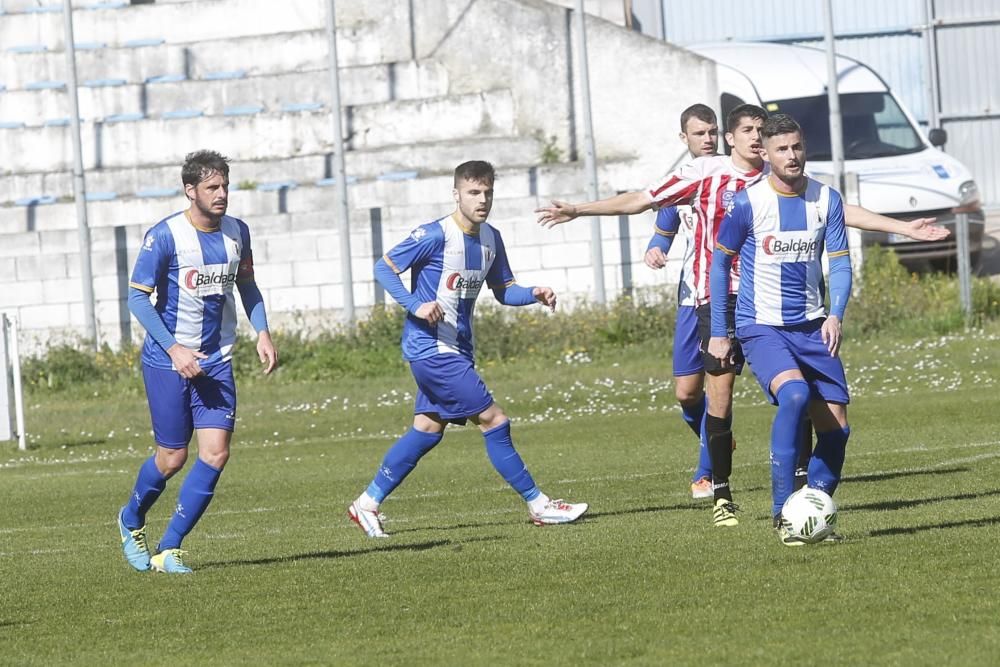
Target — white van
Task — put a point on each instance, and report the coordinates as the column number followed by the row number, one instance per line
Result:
column 900, row 173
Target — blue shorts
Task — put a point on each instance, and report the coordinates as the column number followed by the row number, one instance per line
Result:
column 771, row 350
column 449, row 386
column 178, row 406
column 687, row 343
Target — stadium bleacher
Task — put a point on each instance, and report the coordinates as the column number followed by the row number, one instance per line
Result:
column 155, row 86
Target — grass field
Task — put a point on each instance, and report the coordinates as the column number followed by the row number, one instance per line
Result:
column 282, row 576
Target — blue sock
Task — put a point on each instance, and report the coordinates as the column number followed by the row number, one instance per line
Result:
column 196, row 493
column 694, row 414
column 793, row 401
column 828, row 459
column 149, row 484
column 506, row 460
column 704, row 468
column 401, row 458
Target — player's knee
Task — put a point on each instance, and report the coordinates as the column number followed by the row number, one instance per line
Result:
column 170, row 461
column 794, row 393
column 216, row 459
column 688, row 396
column 492, row 417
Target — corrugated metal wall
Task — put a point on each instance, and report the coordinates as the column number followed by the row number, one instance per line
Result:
column 886, row 36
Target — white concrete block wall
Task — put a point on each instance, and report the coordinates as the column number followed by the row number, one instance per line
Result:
column 296, row 244
column 261, row 136
column 372, row 84
column 215, row 19
column 425, row 158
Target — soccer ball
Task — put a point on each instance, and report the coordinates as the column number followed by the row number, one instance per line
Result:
column 809, row 514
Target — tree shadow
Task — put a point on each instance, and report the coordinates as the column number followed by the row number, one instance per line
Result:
column 913, row 530
column 327, row 555
column 887, row 505
column 882, row 476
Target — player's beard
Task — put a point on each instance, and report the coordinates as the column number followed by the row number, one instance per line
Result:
column 209, row 211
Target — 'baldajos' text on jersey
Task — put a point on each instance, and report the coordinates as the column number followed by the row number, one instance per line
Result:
column 449, row 266
column 193, row 273
column 781, row 239
column 708, row 184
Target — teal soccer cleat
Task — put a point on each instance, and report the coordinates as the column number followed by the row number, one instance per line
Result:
column 170, row 561
column 134, row 544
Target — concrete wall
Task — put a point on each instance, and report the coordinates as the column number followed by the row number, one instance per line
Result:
column 639, row 86
column 493, row 79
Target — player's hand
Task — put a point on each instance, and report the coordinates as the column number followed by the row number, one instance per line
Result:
column 431, row 312
column 655, row 258
column 721, row 348
column 186, row 360
column 832, row 334
column 924, row 229
column 545, row 296
column 556, row 214
column 266, row 351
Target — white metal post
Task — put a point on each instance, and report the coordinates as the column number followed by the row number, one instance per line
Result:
column 833, row 99
column 340, row 177
column 15, row 364
column 79, row 186
column 590, row 157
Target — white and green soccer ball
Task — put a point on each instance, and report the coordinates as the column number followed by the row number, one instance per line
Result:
column 809, row 514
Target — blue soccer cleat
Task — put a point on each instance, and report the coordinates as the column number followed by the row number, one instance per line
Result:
column 169, row 561
column 134, row 544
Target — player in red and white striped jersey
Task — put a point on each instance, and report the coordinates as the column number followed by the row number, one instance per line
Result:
column 709, row 184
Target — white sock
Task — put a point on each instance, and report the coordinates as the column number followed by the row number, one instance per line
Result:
column 539, row 503
column 367, row 503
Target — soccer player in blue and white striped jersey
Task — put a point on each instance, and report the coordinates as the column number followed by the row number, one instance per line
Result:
column 780, row 228
column 449, row 260
column 192, row 260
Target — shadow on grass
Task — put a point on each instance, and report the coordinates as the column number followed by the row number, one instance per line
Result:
column 916, row 502
column 82, row 443
column 328, row 555
column 913, row 530
column 882, row 476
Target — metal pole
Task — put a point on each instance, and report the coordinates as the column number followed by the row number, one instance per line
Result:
column 79, row 187
column 930, row 41
column 590, row 161
column 340, row 177
column 833, row 99
column 964, row 267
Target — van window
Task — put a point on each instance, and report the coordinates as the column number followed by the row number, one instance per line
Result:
column 873, row 125
column 727, row 103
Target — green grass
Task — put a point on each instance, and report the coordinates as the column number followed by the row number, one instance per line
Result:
column 282, row 577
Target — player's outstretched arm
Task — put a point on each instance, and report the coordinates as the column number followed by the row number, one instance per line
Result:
column 921, row 229
column 627, row 203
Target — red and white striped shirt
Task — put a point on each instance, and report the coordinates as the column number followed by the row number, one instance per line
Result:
column 708, row 184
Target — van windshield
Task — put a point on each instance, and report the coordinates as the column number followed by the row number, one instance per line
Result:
column 873, row 125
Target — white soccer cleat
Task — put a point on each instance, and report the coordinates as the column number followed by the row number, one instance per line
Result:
column 368, row 521
column 558, row 511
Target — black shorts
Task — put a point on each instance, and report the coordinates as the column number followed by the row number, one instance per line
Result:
column 712, row 365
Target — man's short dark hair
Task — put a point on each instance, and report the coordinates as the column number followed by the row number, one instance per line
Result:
column 744, row 111
column 779, row 123
column 477, row 171
column 199, row 165
column 702, row 112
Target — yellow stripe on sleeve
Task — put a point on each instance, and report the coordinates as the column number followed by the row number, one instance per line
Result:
column 839, row 253
column 391, row 265
column 719, row 246
column 141, row 287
